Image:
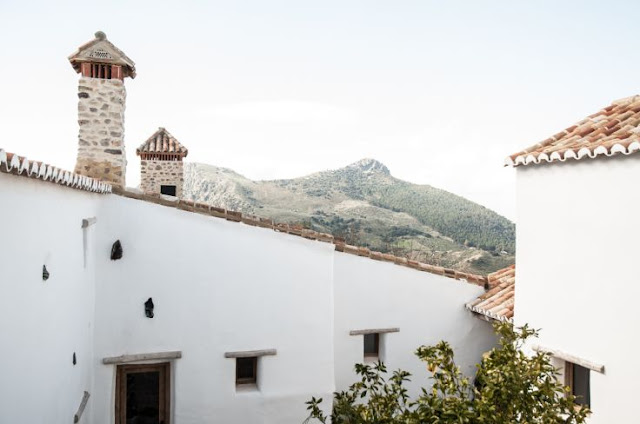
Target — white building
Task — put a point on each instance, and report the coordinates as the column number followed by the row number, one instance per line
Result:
column 577, row 251
column 122, row 307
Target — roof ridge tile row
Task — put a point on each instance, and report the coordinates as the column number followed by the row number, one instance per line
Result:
column 11, row 163
column 610, row 131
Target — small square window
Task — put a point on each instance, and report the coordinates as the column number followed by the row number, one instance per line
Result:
column 371, row 345
column 246, row 370
column 169, row 190
column 578, row 379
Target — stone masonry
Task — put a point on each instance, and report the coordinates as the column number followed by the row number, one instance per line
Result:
column 101, row 151
column 156, row 173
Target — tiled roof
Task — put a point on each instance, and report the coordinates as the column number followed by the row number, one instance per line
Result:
column 11, row 163
column 297, row 230
column 610, row 131
column 498, row 301
column 162, row 142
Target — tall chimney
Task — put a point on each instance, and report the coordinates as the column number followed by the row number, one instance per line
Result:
column 101, row 103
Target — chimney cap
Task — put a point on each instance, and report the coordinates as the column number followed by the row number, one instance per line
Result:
column 101, row 50
column 162, row 142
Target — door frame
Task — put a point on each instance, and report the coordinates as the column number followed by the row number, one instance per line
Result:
column 164, row 391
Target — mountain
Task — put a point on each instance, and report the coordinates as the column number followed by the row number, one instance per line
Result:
column 366, row 205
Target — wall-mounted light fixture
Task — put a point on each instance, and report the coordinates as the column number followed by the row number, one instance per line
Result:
column 116, row 251
column 148, row 308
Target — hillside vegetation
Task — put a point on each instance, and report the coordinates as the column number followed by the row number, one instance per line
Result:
column 367, row 206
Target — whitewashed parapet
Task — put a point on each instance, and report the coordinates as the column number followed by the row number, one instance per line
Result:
column 297, row 230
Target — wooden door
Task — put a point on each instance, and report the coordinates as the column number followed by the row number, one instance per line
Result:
column 143, row 394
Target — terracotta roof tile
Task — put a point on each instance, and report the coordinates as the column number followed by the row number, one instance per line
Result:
column 498, row 301
column 162, row 142
column 11, row 163
column 610, row 131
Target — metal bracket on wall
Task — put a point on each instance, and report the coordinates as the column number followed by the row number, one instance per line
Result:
column 86, row 222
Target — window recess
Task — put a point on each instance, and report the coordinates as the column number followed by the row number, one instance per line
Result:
column 246, row 370
column 372, row 345
column 577, row 373
column 578, row 379
column 247, row 365
column 143, row 393
column 372, row 342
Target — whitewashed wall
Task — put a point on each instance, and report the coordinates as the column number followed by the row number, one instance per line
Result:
column 577, row 275
column 43, row 322
column 217, row 286
column 427, row 308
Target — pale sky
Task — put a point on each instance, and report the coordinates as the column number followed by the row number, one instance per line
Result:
column 439, row 91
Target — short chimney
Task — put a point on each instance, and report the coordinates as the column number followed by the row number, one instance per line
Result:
column 161, row 166
column 101, row 103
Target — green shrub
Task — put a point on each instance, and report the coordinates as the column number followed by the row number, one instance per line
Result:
column 510, row 387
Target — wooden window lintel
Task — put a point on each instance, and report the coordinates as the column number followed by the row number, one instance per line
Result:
column 373, row 331
column 123, row 359
column 250, row 353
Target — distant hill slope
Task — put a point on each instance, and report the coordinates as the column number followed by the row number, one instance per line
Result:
column 367, row 206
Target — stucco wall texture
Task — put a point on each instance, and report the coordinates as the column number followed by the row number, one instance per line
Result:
column 218, row 286
column 576, row 279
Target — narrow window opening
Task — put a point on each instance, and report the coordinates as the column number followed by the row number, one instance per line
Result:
column 578, row 379
column 169, row 190
column 246, row 370
column 372, row 345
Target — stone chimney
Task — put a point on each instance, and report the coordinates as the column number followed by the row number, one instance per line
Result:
column 161, row 170
column 101, row 93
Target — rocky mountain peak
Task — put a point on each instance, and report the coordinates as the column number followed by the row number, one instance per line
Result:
column 369, row 166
